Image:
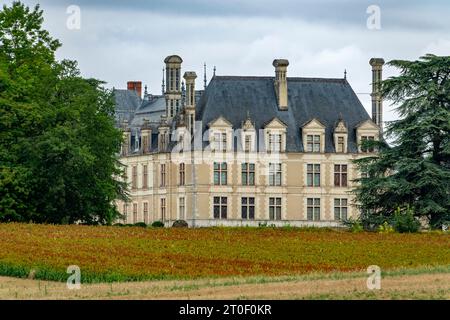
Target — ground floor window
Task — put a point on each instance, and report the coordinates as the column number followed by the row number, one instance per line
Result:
column 313, row 209
column 220, row 207
column 340, row 209
column 163, row 209
column 181, row 208
column 275, row 208
column 125, row 212
column 135, row 208
column 146, row 212
column 248, row 208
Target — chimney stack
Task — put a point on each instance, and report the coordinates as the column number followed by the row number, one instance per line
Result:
column 135, row 86
column 281, row 89
column 377, row 100
column 173, row 85
column 126, row 142
column 190, row 77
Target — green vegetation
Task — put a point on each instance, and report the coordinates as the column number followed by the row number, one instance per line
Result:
column 158, row 224
column 414, row 172
column 58, row 142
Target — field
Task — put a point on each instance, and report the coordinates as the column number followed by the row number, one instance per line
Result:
column 112, row 254
column 407, row 284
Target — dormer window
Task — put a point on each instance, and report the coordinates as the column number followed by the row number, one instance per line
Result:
column 220, row 134
column 248, row 135
column 313, row 136
column 313, row 143
column 274, row 142
column 275, row 136
column 247, row 143
column 340, row 144
column 340, row 136
column 220, row 141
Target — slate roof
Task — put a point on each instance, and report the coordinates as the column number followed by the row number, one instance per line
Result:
column 151, row 110
column 233, row 97
column 127, row 101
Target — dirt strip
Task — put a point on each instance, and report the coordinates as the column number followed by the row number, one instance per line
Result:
column 423, row 286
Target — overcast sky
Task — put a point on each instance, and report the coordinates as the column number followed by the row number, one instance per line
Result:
column 128, row 40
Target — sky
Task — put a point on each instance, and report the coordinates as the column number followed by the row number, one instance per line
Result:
column 119, row 41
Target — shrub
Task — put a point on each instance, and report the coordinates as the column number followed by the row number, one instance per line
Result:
column 140, row 224
column 354, row 225
column 386, row 228
column 180, row 224
column 404, row 220
column 118, row 225
column 158, row 224
column 262, row 224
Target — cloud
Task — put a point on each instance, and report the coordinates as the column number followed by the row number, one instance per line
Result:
column 124, row 40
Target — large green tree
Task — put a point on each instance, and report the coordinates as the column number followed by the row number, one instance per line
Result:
column 58, row 143
column 414, row 170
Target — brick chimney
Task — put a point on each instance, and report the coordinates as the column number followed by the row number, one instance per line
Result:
column 135, row 86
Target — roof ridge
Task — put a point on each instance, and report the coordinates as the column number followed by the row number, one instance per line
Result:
column 306, row 79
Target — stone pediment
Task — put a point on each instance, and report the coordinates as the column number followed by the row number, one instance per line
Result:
column 220, row 122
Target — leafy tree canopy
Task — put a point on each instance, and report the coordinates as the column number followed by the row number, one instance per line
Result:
column 58, row 143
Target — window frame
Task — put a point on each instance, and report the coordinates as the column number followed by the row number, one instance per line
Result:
column 222, row 208
column 182, row 174
column 248, row 206
column 275, row 174
column 163, row 209
column 341, row 175
column 145, row 212
column 220, row 171
column 248, row 170
column 182, row 208
column 313, row 175
column 135, row 212
column 145, row 177
column 163, row 175
column 134, row 177
column 275, row 142
column 340, row 205
column 313, row 209
column 275, row 208
column 312, row 143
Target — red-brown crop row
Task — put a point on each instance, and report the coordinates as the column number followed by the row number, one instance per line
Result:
column 108, row 253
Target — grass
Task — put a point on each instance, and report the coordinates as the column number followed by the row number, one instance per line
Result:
column 113, row 254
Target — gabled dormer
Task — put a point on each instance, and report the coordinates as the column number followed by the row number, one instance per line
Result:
column 163, row 135
column 367, row 130
column 340, row 137
column 248, row 135
column 313, row 136
column 275, row 135
column 146, row 134
column 220, row 134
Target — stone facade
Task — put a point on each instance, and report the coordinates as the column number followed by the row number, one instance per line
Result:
column 265, row 160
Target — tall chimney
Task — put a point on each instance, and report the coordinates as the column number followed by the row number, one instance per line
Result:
column 135, row 86
column 126, row 142
column 173, row 87
column 377, row 100
column 190, row 77
column 281, row 89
